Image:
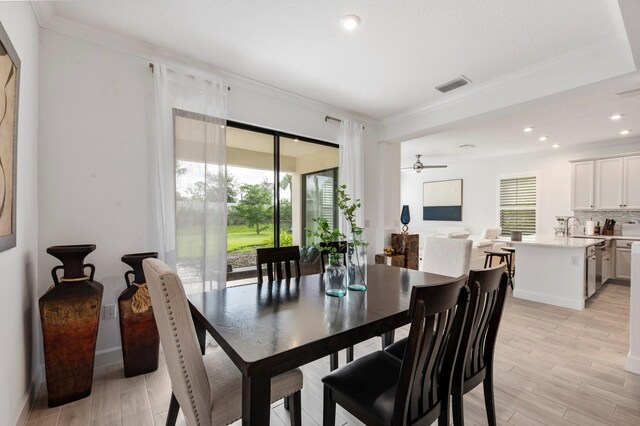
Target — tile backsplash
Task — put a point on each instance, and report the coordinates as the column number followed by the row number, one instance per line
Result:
column 619, row 216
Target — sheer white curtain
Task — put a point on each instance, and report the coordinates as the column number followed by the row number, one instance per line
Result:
column 351, row 171
column 189, row 176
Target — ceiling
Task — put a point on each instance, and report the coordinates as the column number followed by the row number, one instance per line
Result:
column 579, row 116
column 390, row 64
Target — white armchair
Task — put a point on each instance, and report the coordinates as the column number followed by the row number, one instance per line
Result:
column 447, row 256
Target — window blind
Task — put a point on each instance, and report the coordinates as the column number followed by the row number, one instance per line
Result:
column 518, row 205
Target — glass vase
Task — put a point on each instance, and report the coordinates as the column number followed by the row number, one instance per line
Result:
column 335, row 277
column 357, row 261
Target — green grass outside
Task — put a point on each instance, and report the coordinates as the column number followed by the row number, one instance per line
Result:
column 239, row 238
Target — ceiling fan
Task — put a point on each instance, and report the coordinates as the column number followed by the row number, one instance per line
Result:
column 418, row 166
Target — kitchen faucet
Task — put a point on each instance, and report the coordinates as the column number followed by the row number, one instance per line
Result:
column 566, row 225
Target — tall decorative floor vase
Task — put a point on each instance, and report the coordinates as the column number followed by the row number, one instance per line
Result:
column 70, row 313
column 140, row 340
column 357, row 261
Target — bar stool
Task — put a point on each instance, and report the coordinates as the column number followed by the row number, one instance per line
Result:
column 511, row 251
column 503, row 255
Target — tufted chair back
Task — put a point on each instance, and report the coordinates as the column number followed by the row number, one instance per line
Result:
column 179, row 342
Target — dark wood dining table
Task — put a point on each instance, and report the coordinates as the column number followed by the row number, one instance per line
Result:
column 271, row 328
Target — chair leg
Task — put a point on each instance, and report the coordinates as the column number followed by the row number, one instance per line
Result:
column 286, row 403
column 295, row 412
column 333, row 361
column 172, row 414
column 328, row 409
column 444, row 418
column 349, row 354
column 457, row 408
column 489, row 400
column 388, row 338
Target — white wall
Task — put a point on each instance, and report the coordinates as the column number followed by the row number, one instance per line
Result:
column 480, row 186
column 20, row 290
column 95, row 105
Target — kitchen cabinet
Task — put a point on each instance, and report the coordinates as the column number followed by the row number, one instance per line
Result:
column 609, row 184
column 631, row 190
column 582, row 182
column 623, row 259
column 606, row 267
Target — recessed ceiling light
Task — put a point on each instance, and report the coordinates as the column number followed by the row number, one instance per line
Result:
column 222, row 126
column 543, row 138
column 625, row 132
column 350, row 22
column 528, row 129
column 555, row 145
column 295, row 140
column 616, row 116
column 467, row 146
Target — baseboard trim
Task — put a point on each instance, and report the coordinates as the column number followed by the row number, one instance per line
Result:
column 633, row 364
column 108, row 356
column 29, row 398
column 549, row 300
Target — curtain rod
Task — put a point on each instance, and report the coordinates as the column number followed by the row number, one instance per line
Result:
column 328, row 117
column 152, row 67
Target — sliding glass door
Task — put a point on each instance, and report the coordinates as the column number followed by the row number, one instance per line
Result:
column 267, row 173
column 275, row 185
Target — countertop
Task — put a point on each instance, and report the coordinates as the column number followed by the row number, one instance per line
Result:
column 608, row 237
column 553, row 241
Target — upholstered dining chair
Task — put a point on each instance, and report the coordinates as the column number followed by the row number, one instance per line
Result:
column 275, row 258
column 488, row 294
column 207, row 387
column 380, row 389
column 447, row 256
column 474, row 363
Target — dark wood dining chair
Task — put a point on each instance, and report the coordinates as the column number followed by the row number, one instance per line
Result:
column 275, row 258
column 488, row 289
column 380, row 389
column 341, row 248
column 488, row 293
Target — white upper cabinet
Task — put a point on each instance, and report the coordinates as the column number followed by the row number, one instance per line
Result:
column 609, row 184
column 606, row 184
column 631, row 189
column 582, row 182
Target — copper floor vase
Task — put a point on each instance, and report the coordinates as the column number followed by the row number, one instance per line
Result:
column 70, row 313
column 140, row 340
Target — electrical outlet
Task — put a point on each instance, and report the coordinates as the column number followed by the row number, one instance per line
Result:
column 109, row 311
column 574, row 260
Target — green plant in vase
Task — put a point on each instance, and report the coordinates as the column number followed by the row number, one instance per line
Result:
column 357, row 250
column 335, row 274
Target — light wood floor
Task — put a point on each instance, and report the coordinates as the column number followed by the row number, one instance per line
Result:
column 554, row 366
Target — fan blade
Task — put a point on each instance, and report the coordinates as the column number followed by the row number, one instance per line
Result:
column 441, row 166
column 406, row 168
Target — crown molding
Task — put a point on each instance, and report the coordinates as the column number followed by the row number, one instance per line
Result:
column 43, row 11
column 605, row 59
column 148, row 52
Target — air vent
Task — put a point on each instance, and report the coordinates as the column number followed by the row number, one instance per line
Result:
column 453, row 84
column 629, row 93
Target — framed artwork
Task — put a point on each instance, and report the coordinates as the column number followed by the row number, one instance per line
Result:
column 442, row 200
column 9, row 84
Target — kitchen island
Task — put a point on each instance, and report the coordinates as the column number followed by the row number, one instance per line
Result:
column 553, row 270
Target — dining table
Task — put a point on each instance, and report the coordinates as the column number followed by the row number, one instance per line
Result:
column 270, row 328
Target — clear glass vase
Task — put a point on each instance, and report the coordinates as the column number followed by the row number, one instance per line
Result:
column 357, row 261
column 335, row 277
